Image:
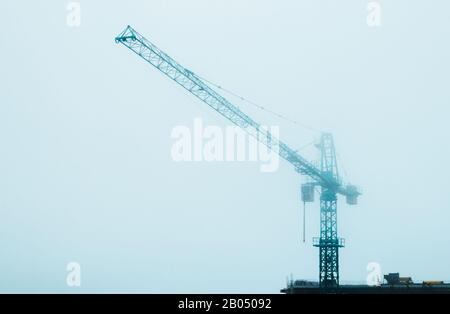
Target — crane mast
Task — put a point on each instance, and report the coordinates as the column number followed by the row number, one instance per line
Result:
column 326, row 177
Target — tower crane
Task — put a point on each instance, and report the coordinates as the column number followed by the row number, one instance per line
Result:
column 325, row 176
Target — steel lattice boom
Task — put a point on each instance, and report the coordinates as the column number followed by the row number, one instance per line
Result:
column 326, row 176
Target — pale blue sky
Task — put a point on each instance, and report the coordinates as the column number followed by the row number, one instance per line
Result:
column 85, row 167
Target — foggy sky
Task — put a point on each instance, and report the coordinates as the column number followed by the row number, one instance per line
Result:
column 86, row 173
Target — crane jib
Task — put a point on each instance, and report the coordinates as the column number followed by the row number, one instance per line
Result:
column 196, row 86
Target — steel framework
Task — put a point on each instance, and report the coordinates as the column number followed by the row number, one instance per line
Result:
column 329, row 242
column 326, row 176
